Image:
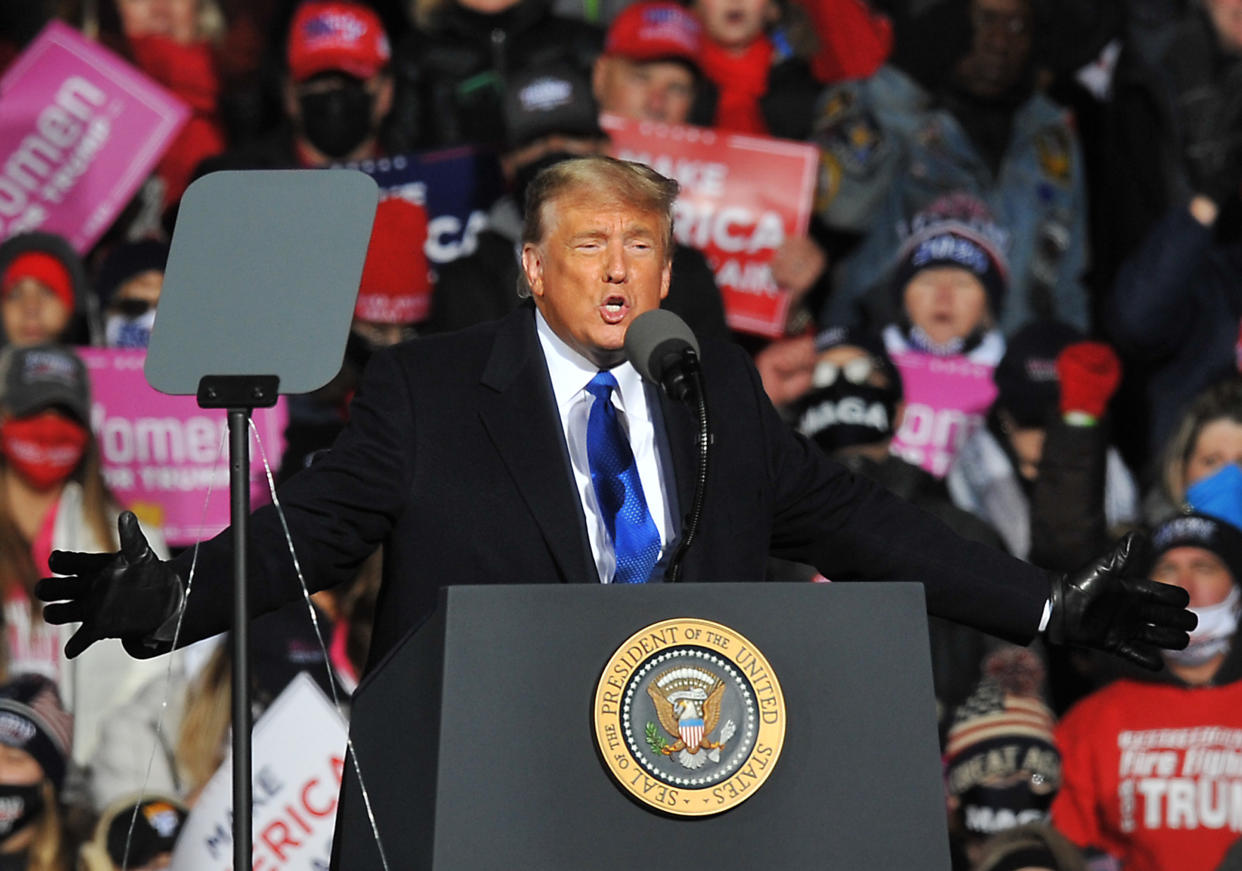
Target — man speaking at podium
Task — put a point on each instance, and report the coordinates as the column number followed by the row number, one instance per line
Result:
column 529, row 450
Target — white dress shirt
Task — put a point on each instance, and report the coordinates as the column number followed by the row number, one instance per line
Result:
column 570, row 373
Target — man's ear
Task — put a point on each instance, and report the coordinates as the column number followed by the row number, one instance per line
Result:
column 666, row 277
column 532, row 268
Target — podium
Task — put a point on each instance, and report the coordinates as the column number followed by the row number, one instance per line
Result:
column 476, row 741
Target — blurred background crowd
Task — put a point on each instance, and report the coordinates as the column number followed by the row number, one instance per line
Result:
column 1018, row 305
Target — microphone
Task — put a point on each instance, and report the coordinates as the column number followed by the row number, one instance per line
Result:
column 664, row 351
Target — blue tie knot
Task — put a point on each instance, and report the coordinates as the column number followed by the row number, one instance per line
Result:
column 602, row 385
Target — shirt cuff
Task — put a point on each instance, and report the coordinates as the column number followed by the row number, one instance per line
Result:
column 1043, row 621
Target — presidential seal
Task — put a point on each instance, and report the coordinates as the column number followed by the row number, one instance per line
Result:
column 689, row 717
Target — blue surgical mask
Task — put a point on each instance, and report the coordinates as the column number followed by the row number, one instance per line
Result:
column 1219, row 494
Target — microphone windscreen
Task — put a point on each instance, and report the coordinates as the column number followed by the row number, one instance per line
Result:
column 655, row 339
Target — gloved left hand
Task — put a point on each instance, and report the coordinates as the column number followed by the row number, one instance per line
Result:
column 1109, row 605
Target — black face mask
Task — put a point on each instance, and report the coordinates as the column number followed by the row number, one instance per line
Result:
column 524, row 175
column 338, row 120
column 987, row 809
column 845, row 414
column 19, row 805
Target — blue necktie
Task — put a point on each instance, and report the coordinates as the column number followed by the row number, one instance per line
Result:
column 618, row 490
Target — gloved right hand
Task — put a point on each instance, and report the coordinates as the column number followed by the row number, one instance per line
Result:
column 129, row 594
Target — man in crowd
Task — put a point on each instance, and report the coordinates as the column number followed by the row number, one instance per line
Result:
column 497, row 454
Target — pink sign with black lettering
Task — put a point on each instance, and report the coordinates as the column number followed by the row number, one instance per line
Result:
column 163, row 455
column 79, row 131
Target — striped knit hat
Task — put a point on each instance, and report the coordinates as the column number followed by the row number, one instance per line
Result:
column 33, row 719
column 1004, row 727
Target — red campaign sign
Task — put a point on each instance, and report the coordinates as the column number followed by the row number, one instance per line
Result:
column 741, row 197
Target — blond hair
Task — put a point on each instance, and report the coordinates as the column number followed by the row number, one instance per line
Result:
column 1221, row 401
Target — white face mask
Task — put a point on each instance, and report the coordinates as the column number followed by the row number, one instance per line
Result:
column 1213, row 635
column 126, row 332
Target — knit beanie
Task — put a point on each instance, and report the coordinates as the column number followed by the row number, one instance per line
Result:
column 33, row 719
column 1200, row 530
column 955, row 230
column 1001, row 761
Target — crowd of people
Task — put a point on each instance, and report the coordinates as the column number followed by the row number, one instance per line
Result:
column 1017, row 306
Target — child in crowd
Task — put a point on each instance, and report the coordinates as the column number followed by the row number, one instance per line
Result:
column 762, row 87
column 948, row 285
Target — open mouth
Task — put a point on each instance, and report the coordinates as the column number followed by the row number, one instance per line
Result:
column 614, row 309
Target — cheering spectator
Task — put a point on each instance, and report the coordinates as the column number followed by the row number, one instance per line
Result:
column 135, row 835
column 43, row 291
column 131, row 278
column 337, row 92
column 54, row 497
column 762, row 86
column 1173, row 128
column 1041, row 470
column 949, row 282
column 454, row 69
column 1149, row 766
column 1176, row 309
column 852, row 412
column 1205, row 450
column 34, row 758
column 892, row 144
column 175, row 44
column 1002, row 767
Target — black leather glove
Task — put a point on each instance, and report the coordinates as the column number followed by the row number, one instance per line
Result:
column 129, row 594
column 1111, row 606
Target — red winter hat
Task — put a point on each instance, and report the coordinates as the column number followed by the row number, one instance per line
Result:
column 396, row 288
column 45, row 269
column 336, row 37
column 655, row 31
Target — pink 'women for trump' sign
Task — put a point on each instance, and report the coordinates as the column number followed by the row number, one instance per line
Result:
column 79, row 131
column 946, row 400
column 741, row 197
column 163, row 456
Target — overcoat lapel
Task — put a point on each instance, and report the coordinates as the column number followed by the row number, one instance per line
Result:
column 519, row 413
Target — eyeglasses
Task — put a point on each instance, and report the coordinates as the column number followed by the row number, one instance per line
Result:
column 856, row 371
column 130, row 307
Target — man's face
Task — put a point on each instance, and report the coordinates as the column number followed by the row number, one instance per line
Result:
column 1226, row 18
column 599, row 266
column 1001, row 48
column 657, row 90
column 1196, row 570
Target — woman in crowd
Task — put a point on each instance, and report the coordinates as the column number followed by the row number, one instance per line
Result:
column 34, row 757
column 1200, row 463
column 43, row 292
column 53, row 496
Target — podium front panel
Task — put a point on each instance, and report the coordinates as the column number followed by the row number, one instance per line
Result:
column 476, row 741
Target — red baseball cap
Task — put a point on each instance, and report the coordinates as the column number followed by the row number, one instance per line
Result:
column 336, row 37
column 655, row 31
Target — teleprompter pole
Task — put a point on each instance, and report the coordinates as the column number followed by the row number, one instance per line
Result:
column 240, row 394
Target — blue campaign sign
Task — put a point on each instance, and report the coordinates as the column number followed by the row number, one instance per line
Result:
column 457, row 186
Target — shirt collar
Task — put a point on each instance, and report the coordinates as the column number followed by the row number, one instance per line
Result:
column 570, row 372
